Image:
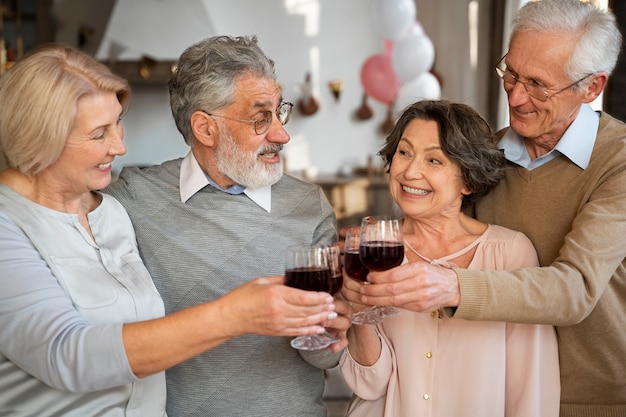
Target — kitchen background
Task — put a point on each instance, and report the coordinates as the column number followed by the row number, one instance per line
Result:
column 328, row 40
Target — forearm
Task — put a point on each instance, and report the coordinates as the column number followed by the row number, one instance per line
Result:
column 369, row 382
column 365, row 344
column 155, row 345
column 262, row 306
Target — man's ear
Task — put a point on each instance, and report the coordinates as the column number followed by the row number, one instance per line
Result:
column 594, row 87
column 204, row 128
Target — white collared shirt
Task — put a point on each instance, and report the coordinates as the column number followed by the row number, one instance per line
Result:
column 193, row 179
column 576, row 143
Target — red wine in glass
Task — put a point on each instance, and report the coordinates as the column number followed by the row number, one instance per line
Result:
column 356, row 270
column 354, row 267
column 380, row 255
column 308, row 278
column 381, row 247
column 336, row 269
column 336, row 281
column 308, row 268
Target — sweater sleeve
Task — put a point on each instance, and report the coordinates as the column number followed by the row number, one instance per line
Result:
column 42, row 333
column 565, row 291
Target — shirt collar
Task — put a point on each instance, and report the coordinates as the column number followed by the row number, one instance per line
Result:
column 578, row 140
column 576, row 143
column 193, row 179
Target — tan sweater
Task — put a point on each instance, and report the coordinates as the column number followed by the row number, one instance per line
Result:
column 577, row 221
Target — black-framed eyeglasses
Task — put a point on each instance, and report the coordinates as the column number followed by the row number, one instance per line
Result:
column 262, row 124
column 534, row 90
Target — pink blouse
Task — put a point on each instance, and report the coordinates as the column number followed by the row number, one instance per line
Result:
column 435, row 366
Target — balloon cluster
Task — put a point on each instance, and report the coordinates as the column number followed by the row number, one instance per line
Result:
column 402, row 74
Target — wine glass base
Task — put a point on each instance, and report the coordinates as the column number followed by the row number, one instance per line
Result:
column 374, row 315
column 368, row 316
column 315, row 342
column 387, row 311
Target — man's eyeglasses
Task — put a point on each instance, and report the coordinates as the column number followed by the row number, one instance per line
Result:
column 533, row 89
column 262, row 124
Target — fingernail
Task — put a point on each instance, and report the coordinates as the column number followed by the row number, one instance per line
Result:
column 332, row 316
column 329, row 300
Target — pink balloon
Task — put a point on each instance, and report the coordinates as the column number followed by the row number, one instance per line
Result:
column 379, row 79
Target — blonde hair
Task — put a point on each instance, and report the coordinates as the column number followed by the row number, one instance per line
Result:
column 39, row 97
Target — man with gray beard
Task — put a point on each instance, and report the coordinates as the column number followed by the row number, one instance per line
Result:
column 219, row 217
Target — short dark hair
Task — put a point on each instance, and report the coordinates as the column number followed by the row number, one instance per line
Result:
column 465, row 137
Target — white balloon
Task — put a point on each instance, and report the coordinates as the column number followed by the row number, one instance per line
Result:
column 426, row 86
column 416, row 29
column 412, row 56
column 394, row 17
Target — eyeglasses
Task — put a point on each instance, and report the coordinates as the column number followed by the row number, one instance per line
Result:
column 262, row 125
column 534, row 90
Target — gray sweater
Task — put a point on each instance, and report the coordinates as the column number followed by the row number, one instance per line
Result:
column 199, row 250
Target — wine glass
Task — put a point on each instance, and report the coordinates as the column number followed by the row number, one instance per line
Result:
column 333, row 254
column 356, row 270
column 336, row 269
column 381, row 248
column 307, row 268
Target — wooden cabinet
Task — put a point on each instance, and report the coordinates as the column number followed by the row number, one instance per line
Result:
column 354, row 197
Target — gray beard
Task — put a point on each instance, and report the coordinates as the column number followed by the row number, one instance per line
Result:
column 244, row 168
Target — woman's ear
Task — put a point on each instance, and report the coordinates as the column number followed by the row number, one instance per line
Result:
column 595, row 86
column 204, row 128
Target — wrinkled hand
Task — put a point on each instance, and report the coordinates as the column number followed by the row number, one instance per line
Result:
column 417, row 286
column 266, row 306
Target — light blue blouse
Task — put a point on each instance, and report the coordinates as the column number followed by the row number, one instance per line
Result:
column 63, row 300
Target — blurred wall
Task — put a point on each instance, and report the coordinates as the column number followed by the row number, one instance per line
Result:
column 328, row 38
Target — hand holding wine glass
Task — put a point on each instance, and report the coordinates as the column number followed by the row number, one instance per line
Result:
column 356, row 270
column 307, row 268
column 381, row 248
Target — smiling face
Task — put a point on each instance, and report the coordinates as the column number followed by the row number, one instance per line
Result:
column 241, row 156
column 92, row 145
column 540, row 58
column 424, row 181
